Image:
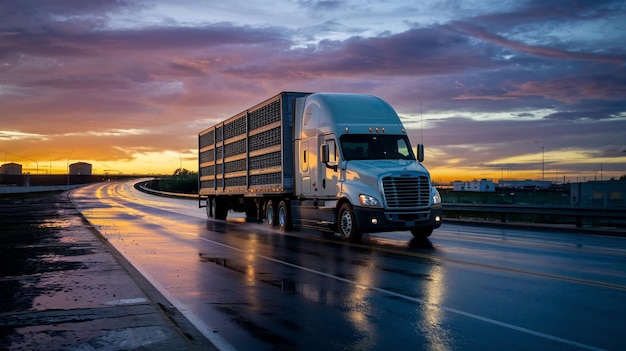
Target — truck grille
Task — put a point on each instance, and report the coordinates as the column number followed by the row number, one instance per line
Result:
column 406, row 192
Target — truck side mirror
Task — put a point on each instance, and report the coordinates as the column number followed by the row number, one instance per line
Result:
column 324, row 153
column 420, row 152
column 325, row 157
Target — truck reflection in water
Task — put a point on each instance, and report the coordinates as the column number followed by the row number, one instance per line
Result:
column 346, row 278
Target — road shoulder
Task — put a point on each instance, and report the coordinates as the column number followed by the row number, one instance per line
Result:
column 63, row 286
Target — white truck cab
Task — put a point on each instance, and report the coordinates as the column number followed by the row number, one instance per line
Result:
column 357, row 169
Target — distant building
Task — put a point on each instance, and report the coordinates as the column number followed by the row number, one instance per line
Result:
column 482, row 185
column 525, row 184
column 608, row 193
column 80, row 168
column 11, row 168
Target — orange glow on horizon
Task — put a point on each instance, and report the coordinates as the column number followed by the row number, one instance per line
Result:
column 153, row 163
column 167, row 163
column 162, row 151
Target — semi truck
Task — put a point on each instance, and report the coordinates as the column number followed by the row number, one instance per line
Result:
column 336, row 162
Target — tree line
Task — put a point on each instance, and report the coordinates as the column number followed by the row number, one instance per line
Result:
column 181, row 181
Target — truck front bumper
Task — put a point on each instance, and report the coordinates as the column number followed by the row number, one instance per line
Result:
column 369, row 220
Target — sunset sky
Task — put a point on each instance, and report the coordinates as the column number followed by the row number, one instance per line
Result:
column 495, row 89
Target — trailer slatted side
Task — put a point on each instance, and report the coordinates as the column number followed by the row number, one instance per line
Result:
column 251, row 152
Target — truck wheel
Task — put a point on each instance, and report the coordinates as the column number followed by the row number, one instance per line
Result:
column 346, row 224
column 284, row 216
column 270, row 214
column 421, row 233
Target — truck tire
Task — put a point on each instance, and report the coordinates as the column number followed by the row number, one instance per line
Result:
column 421, row 233
column 270, row 214
column 346, row 224
column 284, row 217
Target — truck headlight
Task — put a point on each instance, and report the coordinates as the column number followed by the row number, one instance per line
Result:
column 435, row 195
column 367, row 200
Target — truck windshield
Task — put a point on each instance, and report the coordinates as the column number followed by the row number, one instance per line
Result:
column 375, row 147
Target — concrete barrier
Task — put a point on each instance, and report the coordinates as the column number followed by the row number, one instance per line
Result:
column 36, row 189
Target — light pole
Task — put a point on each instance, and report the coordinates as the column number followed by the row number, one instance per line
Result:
column 180, row 160
column 542, row 164
column 68, row 167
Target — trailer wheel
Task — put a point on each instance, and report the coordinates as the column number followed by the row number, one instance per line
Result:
column 284, row 216
column 347, row 224
column 421, row 233
column 270, row 213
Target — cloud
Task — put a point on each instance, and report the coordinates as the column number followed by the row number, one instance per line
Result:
column 6, row 135
column 549, row 52
column 519, row 144
column 493, row 81
column 575, row 88
column 417, row 52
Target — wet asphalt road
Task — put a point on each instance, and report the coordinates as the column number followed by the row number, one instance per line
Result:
column 248, row 287
column 62, row 287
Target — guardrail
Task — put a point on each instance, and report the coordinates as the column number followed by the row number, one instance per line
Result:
column 581, row 216
column 142, row 186
column 504, row 213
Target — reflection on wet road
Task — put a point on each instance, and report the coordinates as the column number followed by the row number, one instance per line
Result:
column 249, row 287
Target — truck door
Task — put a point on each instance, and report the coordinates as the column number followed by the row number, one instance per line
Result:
column 305, row 170
column 329, row 174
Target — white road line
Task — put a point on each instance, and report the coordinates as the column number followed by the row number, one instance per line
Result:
column 414, row 299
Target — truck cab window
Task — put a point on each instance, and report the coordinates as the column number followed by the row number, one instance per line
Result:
column 375, row 147
column 403, row 148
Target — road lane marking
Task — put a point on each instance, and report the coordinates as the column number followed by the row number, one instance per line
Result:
column 138, row 300
column 209, row 332
column 464, row 262
column 412, row 299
